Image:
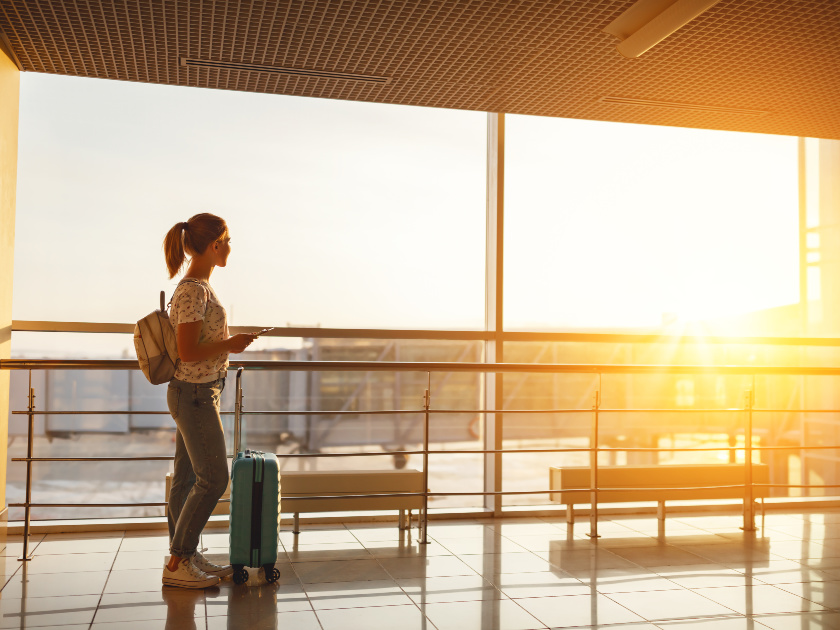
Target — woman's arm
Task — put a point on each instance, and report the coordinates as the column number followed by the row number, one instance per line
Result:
column 190, row 350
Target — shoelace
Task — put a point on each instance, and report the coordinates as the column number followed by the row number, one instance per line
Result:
column 193, row 570
column 204, row 561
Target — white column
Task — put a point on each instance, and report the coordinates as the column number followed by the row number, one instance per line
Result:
column 9, row 103
column 820, row 269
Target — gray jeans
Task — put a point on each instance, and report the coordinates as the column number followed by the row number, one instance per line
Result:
column 201, row 468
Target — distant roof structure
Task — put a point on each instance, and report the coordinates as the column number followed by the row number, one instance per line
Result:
column 767, row 67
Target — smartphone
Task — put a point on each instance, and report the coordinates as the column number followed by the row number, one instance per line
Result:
column 263, row 331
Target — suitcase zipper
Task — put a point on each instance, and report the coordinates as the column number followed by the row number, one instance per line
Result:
column 256, row 509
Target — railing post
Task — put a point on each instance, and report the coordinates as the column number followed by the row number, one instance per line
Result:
column 29, row 441
column 749, row 500
column 424, row 538
column 593, row 468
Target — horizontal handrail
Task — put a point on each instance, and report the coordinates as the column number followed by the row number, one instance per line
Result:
column 397, row 412
column 465, row 451
column 711, row 449
column 280, row 331
column 309, row 332
column 322, row 497
column 405, row 366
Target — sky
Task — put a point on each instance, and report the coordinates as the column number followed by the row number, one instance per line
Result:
column 365, row 215
column 614, row 225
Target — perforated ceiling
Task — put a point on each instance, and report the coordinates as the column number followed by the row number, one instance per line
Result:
column 744, row 65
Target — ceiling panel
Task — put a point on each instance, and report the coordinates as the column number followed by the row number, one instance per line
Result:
column 744, row 65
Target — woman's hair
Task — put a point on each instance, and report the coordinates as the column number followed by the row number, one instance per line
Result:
column 191, row 237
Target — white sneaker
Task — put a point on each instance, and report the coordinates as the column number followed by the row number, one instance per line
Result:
column 209, row 568
column 187, row 575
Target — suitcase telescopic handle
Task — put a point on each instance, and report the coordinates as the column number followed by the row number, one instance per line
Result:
column 237, row 415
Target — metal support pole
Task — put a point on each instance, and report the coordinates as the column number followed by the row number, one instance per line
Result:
column 803, row 237
column 749, row 501
column 237, row 414
column 424, row 535
column 593, row 466
column 494, row 320
column 29, row 440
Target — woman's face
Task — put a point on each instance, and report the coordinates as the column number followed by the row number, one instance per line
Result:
column 222, row 250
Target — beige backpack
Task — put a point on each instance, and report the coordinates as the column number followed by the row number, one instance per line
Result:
column 154, row 342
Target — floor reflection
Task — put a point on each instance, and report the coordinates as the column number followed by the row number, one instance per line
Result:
column 514, row 574
column 181, row 607
column 252, row 606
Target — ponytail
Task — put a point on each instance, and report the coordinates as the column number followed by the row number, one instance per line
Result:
column 191, row 237
column 173, row 249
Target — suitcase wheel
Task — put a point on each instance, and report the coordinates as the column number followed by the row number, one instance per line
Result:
column 272, row 573
column 240, row 574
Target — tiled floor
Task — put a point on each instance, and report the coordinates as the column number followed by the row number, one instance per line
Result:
column 506, row 575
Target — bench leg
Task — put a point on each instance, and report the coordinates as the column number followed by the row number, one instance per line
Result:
column 296, row 528
column 402, row 520
column 570, row 514
column 660, row 519
column 762, row 514
column 749, row 515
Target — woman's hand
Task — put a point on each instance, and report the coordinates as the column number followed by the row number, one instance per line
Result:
column 190, row 350
column 239, row 342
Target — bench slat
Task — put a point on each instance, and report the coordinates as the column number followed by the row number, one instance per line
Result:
column 307, row 483
column 669, row 482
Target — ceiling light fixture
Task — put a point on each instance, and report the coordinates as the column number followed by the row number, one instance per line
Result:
column 648, row 22
column 295, row 72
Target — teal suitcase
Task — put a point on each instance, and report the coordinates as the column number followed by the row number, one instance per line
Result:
column 254, row 507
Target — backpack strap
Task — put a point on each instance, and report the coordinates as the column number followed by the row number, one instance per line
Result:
column 183, row 281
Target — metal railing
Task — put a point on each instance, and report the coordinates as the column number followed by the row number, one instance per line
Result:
column 597, row 410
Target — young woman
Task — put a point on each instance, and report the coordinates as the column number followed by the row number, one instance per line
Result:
column 201, row 468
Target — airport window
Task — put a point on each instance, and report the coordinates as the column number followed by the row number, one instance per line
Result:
column 342, row 214
column 639, row 228
column 371, row 216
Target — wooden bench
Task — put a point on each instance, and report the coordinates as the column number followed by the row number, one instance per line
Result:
column 655, row 483
column 295, row 484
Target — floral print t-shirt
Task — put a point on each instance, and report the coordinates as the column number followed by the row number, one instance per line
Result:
column 194, row 300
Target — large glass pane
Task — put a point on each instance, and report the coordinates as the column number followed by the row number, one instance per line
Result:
column 342, row 214
column 294, row 414
column 629, row 227
column 674, row 419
